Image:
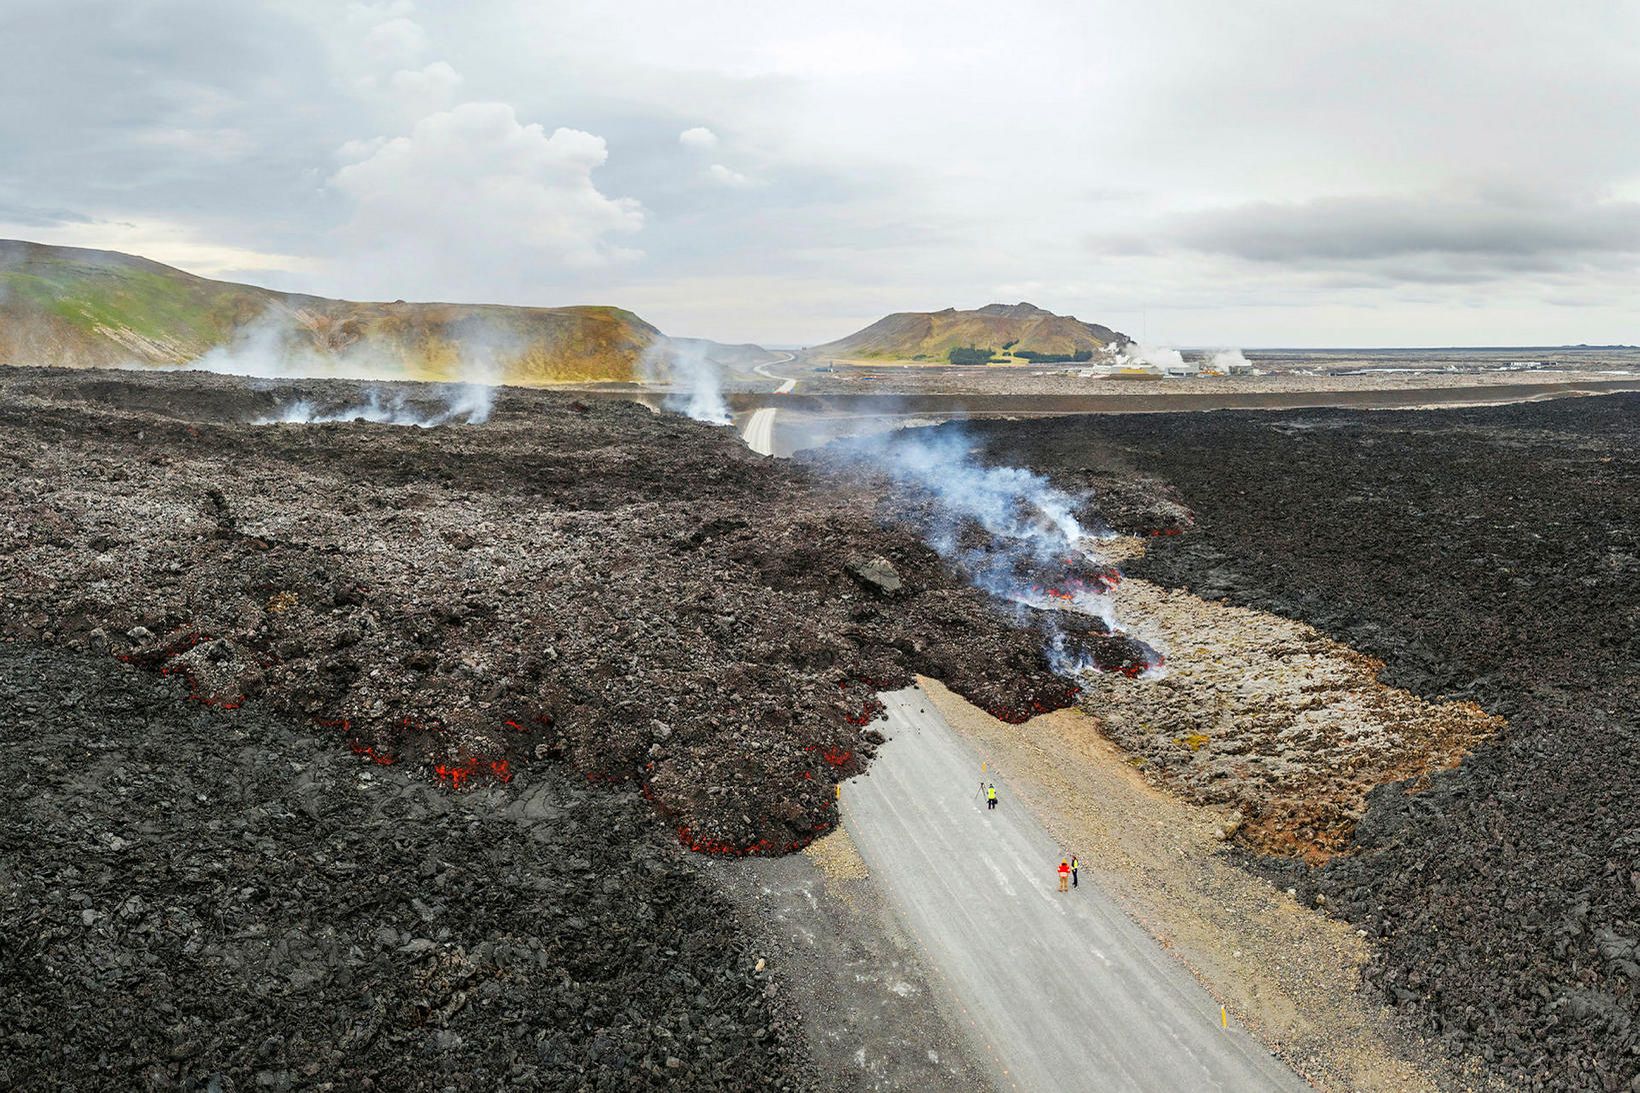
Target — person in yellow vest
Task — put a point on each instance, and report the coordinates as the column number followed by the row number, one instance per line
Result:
column 991, row 796
column 1075, row 865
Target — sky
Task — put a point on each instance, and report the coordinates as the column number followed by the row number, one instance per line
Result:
column 1194, row 173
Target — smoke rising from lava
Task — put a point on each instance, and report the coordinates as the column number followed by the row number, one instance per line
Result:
column 277, row 345
column 1033, row 551
column 684, row 364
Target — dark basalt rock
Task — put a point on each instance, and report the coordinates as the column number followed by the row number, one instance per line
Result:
column 1488, row 554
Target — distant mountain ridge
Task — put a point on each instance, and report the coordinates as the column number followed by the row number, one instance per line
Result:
column 1016, row 328
column 89, row 308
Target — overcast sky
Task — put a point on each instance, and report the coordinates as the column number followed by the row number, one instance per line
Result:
column 1193, row 173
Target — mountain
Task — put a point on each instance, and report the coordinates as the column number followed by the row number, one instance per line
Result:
column 90, row 308
column 931, row 335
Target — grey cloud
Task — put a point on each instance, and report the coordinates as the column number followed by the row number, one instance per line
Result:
column 1423, row 238
column 166, row 108
column 33, row 216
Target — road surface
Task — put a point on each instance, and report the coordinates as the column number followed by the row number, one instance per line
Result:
column 1059, row 991
column 759, row 433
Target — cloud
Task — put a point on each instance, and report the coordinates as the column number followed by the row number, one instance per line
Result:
column 1427, row 237
column 395, row 42
column 700, row 138
column 427, row 89
column 726, row 176
column 165, row 241
column 475, row 188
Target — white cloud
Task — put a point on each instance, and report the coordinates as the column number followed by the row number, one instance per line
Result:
column 424, row 90
column 165, row 241
column 473, row 189
column 699, row 138
column 727, row 176
column 395, row 43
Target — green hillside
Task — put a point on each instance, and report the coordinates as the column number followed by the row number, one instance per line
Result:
column 87, row 308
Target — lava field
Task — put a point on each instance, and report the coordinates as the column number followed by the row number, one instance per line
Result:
column 1490, row 555
column 635, row 594
column 200, row 899
column 371, row 755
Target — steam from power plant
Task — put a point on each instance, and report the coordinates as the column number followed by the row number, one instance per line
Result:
column 278, row 346
column 696, row 381
column 1168, row 361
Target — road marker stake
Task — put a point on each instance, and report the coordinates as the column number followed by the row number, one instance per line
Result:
column 1224, row 1018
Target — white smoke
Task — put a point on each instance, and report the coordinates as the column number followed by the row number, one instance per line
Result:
column 278, row 346
column 467, row 404
column 1168, row 361
column 1231, row 362
column 695, row 381
column 1030, row 527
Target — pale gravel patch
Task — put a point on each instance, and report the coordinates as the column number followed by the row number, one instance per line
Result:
column 1270, row 717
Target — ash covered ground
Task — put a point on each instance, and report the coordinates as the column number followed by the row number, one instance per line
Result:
column 358, row 752
column 1490, row 555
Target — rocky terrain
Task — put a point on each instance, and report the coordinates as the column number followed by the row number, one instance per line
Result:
column 86, row 308
column 638, row 595
column 362, row 755
column 1286, row 728
column 1486, row 556
column 192, row 898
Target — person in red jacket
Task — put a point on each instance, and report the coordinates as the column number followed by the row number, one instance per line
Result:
column 1064, row 875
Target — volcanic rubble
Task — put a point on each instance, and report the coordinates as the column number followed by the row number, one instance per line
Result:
column 192, row 898
column 1487, row 555
column 634, row 593
column 339, row 728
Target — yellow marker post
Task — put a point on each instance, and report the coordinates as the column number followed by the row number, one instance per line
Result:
column 839, row 788
column 1224, row 1018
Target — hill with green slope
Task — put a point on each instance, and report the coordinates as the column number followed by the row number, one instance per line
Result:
column 1012, row 329
column 88, row 308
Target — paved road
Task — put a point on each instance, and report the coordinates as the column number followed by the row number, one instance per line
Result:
column 759, row 435
column 1061, row 991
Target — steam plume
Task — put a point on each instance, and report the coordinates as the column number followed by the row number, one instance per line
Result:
column 1168, row 360
column 1231, row 360
column 1034, row 552
column 277, row 346
column 695, row 379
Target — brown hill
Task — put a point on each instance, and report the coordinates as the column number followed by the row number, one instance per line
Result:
column 89, row 308
column 1008, row 329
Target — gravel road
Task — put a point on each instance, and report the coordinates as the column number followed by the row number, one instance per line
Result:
column 1061, row 991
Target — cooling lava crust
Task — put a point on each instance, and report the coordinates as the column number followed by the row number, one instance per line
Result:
column 634, row 593
column 200, row 899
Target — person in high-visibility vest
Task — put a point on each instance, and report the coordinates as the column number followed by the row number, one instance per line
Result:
column 1075, row 865
column 991, row 796
column 1064, row 875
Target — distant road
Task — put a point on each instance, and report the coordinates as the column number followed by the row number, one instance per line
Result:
column 920, row 405
column 759, row 433
column 1061, row 991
